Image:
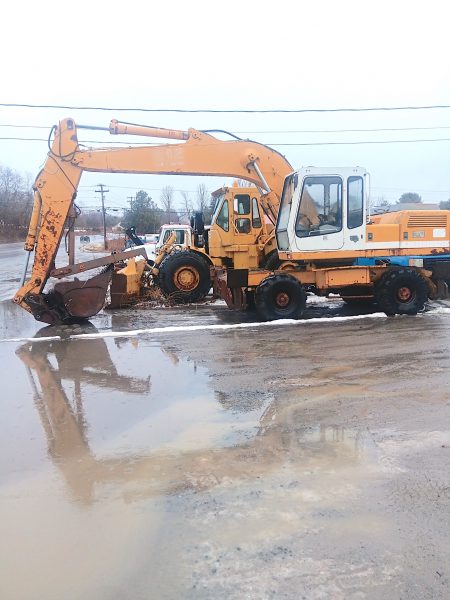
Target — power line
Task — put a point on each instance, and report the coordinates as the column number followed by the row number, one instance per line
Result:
column 386, row 189
column 277, row 144
column 25, row 126
column 129, row 187
column 24, row 139
column 360, row 142
column 289, row 131
column 345, row 130
column 227, row 111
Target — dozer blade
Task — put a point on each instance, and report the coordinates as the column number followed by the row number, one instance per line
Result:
column 71, row 301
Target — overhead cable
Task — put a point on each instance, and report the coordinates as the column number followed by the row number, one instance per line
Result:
column 289, row 131
column 224, row 110
column 278, row 144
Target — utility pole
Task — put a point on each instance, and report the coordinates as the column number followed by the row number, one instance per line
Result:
column 103, row 191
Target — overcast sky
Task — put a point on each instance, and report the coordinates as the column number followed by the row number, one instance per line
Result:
column 231, row 55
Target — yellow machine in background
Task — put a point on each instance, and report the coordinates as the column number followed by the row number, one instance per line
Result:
column 245, row 240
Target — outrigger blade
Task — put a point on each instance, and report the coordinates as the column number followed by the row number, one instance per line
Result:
column 71, row 301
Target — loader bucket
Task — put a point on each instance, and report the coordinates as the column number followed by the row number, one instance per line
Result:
column 126, row 284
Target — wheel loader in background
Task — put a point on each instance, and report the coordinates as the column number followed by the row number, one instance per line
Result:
column 184, row 274
column 241, row 235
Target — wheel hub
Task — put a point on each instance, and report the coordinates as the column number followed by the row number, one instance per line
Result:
column 282, row 299
column 404, row 294
column 186, row 278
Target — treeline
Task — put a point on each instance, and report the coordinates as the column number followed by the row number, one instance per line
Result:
column 148, row 216
column 16, row 203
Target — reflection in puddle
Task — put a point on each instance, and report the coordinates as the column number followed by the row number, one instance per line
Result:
column 149, row 457
column 163, row 433
column 150, row 429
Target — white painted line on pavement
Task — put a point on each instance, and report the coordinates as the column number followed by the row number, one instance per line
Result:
column 183, row 328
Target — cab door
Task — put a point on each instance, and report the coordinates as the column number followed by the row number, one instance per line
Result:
column 356, row 203
column 319, row 222
column 220, row 235
column 246, row 218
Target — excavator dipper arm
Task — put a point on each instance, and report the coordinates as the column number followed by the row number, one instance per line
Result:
column 56, row 187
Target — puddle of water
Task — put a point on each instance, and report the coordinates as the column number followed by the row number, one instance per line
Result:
column 176, row 466
column 101, row 434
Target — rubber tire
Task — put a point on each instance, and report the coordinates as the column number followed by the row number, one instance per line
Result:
column 388, row 286
column 272, row 261
column 267, row 291
column 168, row 269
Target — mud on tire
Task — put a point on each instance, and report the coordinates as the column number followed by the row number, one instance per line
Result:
column 401, row 292
column 184, row 277
column 280, row 297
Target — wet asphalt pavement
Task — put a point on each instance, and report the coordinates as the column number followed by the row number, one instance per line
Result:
column 142, row 459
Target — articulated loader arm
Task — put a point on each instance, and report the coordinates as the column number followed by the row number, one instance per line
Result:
column 56, row 187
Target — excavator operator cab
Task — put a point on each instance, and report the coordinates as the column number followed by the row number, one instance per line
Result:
column 323, row 210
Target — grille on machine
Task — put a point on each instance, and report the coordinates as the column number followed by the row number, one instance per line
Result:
column 427, row 220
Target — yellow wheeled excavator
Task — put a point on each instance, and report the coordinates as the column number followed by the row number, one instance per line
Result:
column 241, row 235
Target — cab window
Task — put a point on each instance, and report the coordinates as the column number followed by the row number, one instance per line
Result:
column 289, row 186
column 217, row 203
column 355, row 202
column 320, row 209
column 179, row 233
column 243, row 225
column 242, row 204
column 222, row 217
column 256, row 218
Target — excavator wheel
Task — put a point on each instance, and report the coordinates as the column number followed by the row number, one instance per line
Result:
column 184, row 277
column 280, row 297
column 401, row 292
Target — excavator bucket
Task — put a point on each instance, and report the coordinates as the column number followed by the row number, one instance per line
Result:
column 84, row 299
column 71, row 301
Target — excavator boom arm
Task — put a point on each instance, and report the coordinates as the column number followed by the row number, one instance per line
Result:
column 198, row 154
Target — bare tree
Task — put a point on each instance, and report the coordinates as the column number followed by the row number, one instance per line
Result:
column 186, row 206
column 167, row 201
column 15, row 203
column 202, row 198
column 203, row 202
column 245, row 183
